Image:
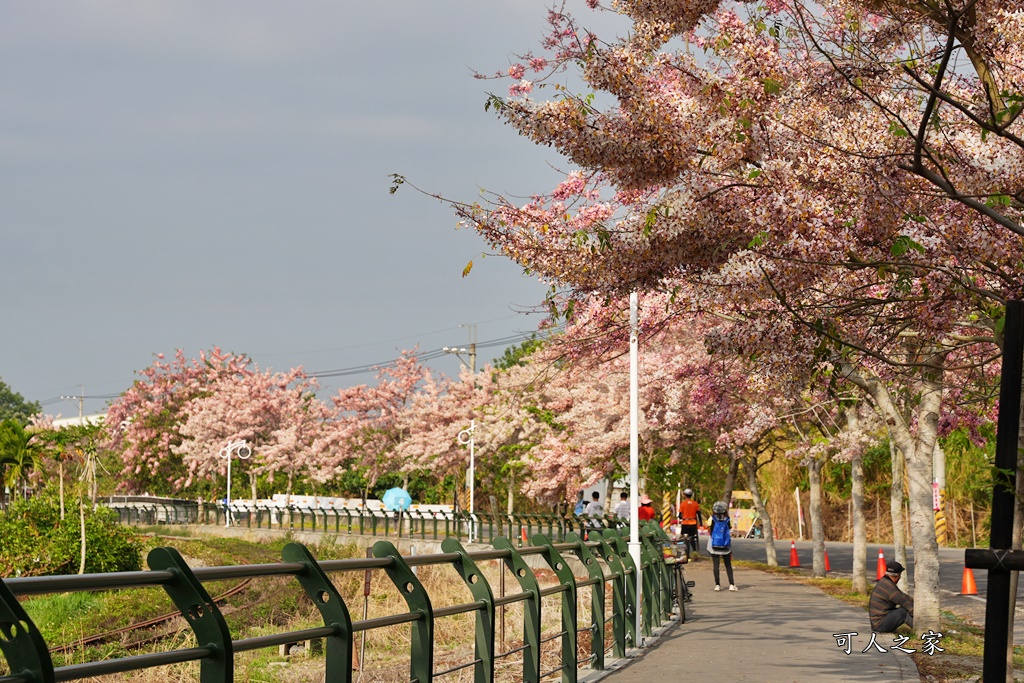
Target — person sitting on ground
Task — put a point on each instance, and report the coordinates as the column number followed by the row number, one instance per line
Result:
column 888, row 606
column 622, row 509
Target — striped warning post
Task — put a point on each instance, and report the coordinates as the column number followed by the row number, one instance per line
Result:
column 666, row 509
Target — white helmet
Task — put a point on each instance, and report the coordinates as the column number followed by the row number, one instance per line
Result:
column 720, row 508
column 688, row 493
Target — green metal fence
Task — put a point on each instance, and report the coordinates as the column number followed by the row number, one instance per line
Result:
column 604, row 555
column 358, row 521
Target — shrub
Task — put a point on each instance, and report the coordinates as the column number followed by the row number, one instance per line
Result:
column 37, row 541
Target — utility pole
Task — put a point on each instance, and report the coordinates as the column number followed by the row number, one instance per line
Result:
column 471, row 351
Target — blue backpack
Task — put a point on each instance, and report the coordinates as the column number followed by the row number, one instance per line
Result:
column 720, row 538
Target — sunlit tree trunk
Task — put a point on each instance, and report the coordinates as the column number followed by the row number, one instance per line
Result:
column 860, row 532
column 766, row 520
column 81, row 526
column 817, row 528
column 730, row 478
column 917, row 451
column 899, row 539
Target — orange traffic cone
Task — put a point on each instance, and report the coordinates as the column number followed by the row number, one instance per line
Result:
column 522, row 532
column 881, row 565
column 967, row 585
column 828, row 567
column 794, row 559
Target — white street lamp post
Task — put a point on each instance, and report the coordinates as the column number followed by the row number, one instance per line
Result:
column 466, row 437
column 634, row 454
column 242, row 450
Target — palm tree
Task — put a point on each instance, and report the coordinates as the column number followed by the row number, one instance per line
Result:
column 19, row 455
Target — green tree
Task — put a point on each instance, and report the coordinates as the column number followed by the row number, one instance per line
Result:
column 19, row 454
column 13, row 405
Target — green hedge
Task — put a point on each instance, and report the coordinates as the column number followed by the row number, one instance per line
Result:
column 34, row 540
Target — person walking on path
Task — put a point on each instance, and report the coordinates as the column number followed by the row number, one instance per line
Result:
column 720, row 542
column 595, row 509
column 622, row 509
column 690, row 519
column 581, row 506
column 888, row 606
column 646, row 510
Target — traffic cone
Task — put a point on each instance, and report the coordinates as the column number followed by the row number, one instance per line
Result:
column 967, row 585
column 828, row 567
column 522, row 532
column 881, row 565
column 794, row 559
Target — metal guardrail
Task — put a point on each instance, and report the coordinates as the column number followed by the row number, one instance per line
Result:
column 604, row 554
column 433, row 525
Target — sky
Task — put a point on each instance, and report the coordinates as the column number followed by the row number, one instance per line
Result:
column 197, row 173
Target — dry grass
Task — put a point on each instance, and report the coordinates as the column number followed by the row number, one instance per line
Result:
column 275, row 604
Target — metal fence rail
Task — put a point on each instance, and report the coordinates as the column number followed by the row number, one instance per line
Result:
column 432, row 525
column 604, row 555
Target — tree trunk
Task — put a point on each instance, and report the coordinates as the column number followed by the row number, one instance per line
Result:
column 922, row 514
column 859, row 523
column 766, row 520
column 917, row 450
column 81, row 526
column 60, row 475
column 817, row 528
column 860, row 531
column 252, row 486
column 899, row 539
column 730, row 478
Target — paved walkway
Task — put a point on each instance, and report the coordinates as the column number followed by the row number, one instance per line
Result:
column 773, row 630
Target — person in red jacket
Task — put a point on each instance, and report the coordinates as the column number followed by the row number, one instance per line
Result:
column 646, row 510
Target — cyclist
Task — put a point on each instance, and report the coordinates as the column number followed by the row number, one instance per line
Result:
column 690, row 519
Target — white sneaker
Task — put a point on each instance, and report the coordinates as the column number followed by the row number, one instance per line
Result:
column 733, row 588
column 718, row 588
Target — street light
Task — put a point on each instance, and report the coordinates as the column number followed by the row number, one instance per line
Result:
column 466, row 437
column 242, row 450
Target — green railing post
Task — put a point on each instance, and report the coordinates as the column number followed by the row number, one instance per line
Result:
column 593, row 567
column 421, row 660
column 618, row 596
column 531, row 609
column 328, row 600
column 569, row 622
column 632, row 575
column 660, row 540
column 651, row 616
column 20, row 641
column 188, row 595
column 483, row 643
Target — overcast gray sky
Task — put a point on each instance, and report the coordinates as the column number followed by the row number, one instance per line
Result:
column 184, row 174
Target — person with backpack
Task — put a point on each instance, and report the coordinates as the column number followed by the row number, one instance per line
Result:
column 720, row 542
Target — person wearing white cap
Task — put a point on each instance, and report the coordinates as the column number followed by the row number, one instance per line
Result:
column 690, row 519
